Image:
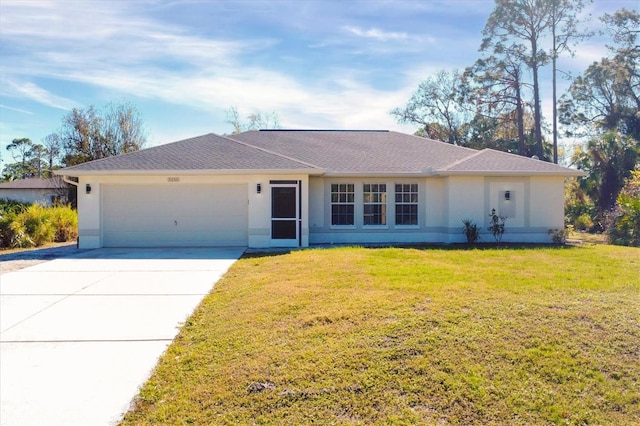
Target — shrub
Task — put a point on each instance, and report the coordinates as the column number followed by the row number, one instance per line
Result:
column 36, row 225
column 470, row 231
column 583, row 222
column 497, row 225
column 558, row 236
column 65, row 222
column 23, row 226
column 6, row 233
column 623, row 223
column 10, row 206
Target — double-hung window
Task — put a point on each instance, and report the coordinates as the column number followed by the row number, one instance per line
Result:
column 406, row 203
column 375, row 203
column 342, row 203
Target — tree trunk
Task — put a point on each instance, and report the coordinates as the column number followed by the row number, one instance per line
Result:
column 555, row 102
column 537, row 116
column 520, row 118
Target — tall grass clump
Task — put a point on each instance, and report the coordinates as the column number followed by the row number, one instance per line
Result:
column 23, row 225
column 33, row 227
column 65, row 222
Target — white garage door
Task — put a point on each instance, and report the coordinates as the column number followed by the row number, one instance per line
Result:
column 174, row 215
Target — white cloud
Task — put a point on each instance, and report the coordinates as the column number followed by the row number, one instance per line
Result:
column 16, row 109
column 42, row 96
column 377, row 34
column 119, row 49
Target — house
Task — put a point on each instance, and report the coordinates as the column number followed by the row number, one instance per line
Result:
column 292, row 188
column 35, row 190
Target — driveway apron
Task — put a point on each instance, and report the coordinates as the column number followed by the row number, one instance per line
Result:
column 80, row 335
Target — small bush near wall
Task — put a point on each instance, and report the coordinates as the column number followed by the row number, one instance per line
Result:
column 470, row 231
column 496, row 226
column 558, row 236
column 23, row 225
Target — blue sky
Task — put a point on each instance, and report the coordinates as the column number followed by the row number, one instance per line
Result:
column 317, row 64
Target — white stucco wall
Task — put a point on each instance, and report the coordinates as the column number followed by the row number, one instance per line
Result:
column 547, row 202
column 259, row 205
column 537, row 205
column 42, row 196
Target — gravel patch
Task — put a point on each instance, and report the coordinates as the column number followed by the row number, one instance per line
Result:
column 23, row 259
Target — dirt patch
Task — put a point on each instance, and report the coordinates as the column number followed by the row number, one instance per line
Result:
column 14, row 260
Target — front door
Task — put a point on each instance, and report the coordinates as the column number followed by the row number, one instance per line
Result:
column 285, row 215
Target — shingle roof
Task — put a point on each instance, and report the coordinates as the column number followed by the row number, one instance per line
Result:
column 334, row 152
column 491, row 161
column 34, row 183
column 359, row 151
column 207, row 152
column 364, row 152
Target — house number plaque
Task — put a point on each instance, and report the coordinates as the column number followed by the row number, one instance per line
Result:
column 173, row 179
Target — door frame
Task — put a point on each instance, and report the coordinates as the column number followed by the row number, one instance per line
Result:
column 297, row 241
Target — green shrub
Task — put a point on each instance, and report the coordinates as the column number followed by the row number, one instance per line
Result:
column 65, row 222
column 23, row 226
column 33, row 227
column 558, row 236
column 583, row 222
column 6, row 233
column 497, row 225
column 10, row 206
column 623, row 223
column 470, row 231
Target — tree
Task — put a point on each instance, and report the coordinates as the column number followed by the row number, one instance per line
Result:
column 254, row 121
column 22, row 151
column 89, row 134
column 607, row 96
column 564, row 30
column 608, row 160
column 500, row 89
column 597, row 101
column 624, row 28
column 524, row 23
column 439, row 106
column 53, row 146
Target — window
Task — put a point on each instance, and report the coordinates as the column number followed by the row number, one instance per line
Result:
column 375, row 203
column 342, row 203
column 406, row 203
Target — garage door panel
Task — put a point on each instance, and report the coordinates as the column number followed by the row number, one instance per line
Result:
column 174, row 215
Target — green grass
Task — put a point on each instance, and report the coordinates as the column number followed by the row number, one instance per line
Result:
column 407, row 336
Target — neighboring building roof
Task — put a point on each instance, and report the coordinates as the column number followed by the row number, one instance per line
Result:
column 330, row 152
column 34, row 183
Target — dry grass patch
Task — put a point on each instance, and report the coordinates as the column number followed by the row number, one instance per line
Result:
column 404, row 336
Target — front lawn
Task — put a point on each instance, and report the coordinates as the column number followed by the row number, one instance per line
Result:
column 407, row 336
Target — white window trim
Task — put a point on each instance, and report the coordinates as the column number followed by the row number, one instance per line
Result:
column 386, row 204
column 331, row 204
column 396, row 226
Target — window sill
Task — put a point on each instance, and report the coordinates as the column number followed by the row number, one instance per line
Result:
column 342, row 227
column 407, row 226
column 375, row 226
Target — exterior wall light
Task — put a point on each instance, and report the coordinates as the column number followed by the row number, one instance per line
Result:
column 88, row 189
column 259, row 188
column 507, row 195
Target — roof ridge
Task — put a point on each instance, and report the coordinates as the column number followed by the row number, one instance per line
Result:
column 272, row 152
column 462, row 160
column 327, row 130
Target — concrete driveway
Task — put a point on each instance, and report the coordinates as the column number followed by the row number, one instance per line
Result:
column 79, row 335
